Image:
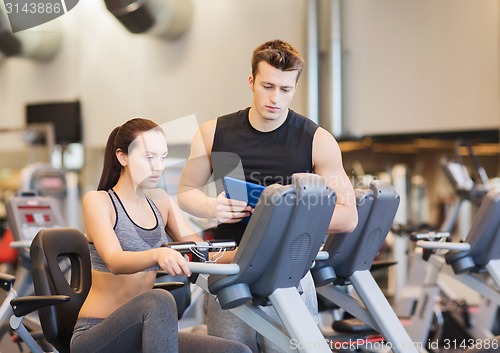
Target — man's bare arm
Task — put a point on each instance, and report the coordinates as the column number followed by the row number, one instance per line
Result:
column 192, row 197
column 327, row 159
column 196, row 173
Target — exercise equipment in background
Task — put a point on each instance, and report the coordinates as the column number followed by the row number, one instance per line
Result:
column 350, row 261
column 470, row 183
column 27, row 214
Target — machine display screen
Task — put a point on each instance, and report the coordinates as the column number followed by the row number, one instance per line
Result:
column 36, row 215
column 33, row 217
column 27, row 215
column 51, row 183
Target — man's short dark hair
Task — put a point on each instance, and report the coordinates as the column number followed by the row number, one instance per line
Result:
column 280, row 55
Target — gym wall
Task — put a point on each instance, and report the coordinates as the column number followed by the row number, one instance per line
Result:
column 118, row 75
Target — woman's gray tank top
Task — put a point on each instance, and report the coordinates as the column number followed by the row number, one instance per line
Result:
column 131, row 236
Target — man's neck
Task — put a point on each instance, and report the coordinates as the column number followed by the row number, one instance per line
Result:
column 265, row 125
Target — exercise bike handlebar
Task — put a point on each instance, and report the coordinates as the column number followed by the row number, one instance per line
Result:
column 200, row 249
column 429, row 236
column 20, row 244
column 213, row 269
column 430, row 245
column 322, row 255
column 187, row 247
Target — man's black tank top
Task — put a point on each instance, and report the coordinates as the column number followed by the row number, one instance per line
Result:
column 266, row 157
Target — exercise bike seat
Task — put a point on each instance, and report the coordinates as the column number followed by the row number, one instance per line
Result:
column 47, row 250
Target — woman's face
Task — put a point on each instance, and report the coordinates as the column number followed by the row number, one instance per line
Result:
column 147, row 158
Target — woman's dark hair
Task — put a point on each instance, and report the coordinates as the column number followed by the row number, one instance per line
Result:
column 280, row 55
column 120, row 139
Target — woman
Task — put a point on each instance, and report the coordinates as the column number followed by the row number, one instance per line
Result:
column 125, row 221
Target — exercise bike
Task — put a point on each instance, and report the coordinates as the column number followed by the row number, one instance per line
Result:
column 27, row 214
column 474, row 263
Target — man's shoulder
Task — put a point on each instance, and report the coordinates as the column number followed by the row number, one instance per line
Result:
column 209, row 128
column 231, row 119
column 302, row 122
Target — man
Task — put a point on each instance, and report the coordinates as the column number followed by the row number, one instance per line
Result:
column 270, row 142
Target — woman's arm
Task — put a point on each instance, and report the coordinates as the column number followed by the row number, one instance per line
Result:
column 178, row 228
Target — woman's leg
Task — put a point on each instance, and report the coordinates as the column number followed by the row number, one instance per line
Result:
column 224, row 324
column 148, row 324
column 309, row 298
column 197, row 343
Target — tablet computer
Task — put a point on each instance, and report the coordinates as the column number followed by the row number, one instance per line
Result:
column 238, row 189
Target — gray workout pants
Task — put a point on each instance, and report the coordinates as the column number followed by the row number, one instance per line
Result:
column 146, row 324
column 223, row 323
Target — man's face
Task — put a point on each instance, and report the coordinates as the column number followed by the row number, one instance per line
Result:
column 273, row 91
column 147, row 158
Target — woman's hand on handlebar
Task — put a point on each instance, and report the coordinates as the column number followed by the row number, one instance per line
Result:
column 231, row 211
column 172, row 262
